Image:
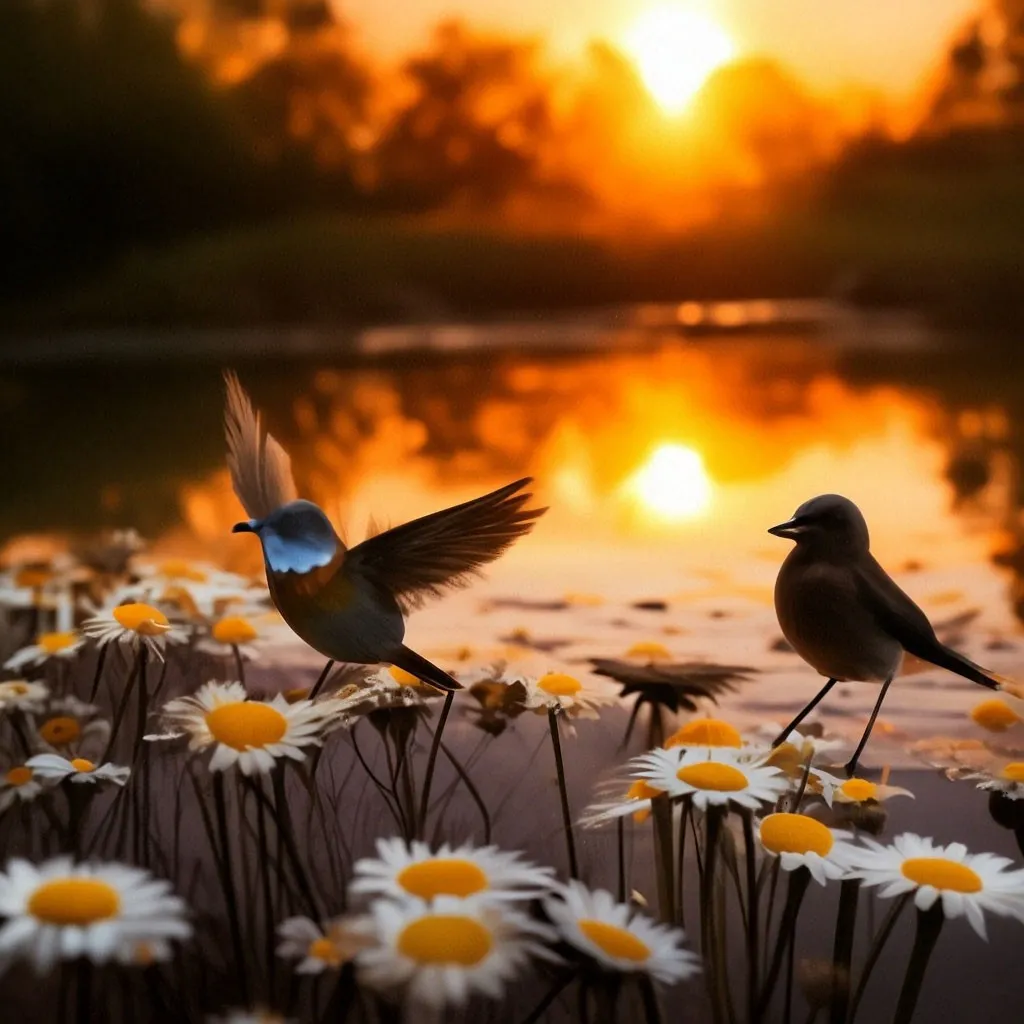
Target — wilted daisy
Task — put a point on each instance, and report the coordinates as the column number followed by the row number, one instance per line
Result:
column 60, row 910
column 1008, row 779
column 617, row 936
column 21, row 695
column 446, row 951
column 135, row 624
column 48, row 645
column 250, row 733
column 19, row 783
column 859, row 791
column 563, row 692
column 967, row 883
column 710, row 777
column 485, row 872
column 77, row 769
column 320, row 949
column 800, row 841
column 635, row 801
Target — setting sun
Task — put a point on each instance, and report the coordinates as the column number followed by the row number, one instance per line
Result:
column 672, row 483
column 675, row 50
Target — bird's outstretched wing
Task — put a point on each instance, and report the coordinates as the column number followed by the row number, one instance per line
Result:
column 261, row 472
column 898, row 616
column 445, row 549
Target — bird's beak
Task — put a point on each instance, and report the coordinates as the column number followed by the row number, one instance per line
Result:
column 790, row 528
column 249, row 526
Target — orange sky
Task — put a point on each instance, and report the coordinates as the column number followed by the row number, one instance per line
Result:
column 887, row 44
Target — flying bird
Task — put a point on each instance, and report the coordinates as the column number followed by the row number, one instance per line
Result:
column 844, row 615
column 349, row 604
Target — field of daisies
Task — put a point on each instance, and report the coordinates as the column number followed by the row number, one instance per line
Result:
column 187, row 838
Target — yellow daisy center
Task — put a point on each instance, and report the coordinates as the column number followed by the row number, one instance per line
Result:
column 859, row 790
column 442, row 876
column 179, row 569
column 404, row 678
column 706, row 732
column 558, row 684
column 18, row 776
column 795, row 833
column 295, row 695
column 51, row 643
column 942, row 874
column 642, row 790
column 324, row 950
column 32, row 577
column 615, row 941
column 649, row 649
column 60, row 730
column 246, row 723
column 1013, row 772
column 74, row 901
column 17, row 689
column 994, row 715
column 445, row 939
column 234, row 630
column 82, row 764
column 785, row 756
column 140, row 618
column 723, row 778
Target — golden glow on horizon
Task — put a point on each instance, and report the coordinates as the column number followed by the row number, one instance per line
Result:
column 675, row 50
column 673, row 483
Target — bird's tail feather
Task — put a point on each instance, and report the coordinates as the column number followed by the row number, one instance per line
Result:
column 418, row 666
column 947, row 658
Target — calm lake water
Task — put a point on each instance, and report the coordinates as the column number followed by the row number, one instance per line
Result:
column 664, row 456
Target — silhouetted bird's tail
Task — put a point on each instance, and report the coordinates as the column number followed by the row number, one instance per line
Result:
column 947, row 658
column 418, row 666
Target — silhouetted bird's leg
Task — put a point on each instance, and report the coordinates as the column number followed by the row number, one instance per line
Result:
column 781, row 738
column 851, row 766
column 319, row 685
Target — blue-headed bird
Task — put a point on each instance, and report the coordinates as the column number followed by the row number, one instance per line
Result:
column 349, row 604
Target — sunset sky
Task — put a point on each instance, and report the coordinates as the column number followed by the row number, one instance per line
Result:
column 886, row 44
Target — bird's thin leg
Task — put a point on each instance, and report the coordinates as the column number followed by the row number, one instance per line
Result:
column 781, row 738
column 851, row 766
column 319, row 685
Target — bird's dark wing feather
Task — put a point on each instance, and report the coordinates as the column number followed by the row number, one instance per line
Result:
column 444, row 549
column 898, row 616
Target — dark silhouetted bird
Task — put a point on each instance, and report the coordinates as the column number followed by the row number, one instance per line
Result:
column 350, row 603
column 843, row 613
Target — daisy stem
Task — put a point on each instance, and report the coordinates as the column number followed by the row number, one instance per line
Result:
column 786, row 935
column 685, row 812
column 473, row 791
column 842, row 950
column 772, row 889
column 550, row 996
column 652, row 1011
column 83, row 991
column 239, row 667
column 929, row 925
column 384, row 791
column 632, row 722
column 753, row 895
column 263, row 867
column 122, row 704
column 227, row 881
column 664, row 863
column 428, row 777
column 620, row 846
column 570, row 842
column 319, row 684
column 101, row 660
column 143, row 705
column 875, row 952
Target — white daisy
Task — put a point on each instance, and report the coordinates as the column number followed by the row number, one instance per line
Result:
column 19, row 782
column 859, row 791
column 448, row 950
column 618, row 936
column 246, row 634
column 78, row 769
column 800, row 841
column 31, row 585
column 485, row 872
column 59, row 910
column 48, row 645
column 966, row 883
column 578, row 698
column 635, row 801
column 133, row 624
column 710, row 777
column 250, row 733
column 707, row 734
column 1008, row 780
column 70, row 724
column 321, row 949
column 21, row 695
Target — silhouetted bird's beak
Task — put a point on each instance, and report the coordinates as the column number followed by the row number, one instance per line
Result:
column 790, row 528
column 246, row 527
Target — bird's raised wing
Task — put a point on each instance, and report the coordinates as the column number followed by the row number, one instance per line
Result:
column 444, row 549
column 261, row 472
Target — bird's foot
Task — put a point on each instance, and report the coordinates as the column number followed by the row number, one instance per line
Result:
column 850, row 768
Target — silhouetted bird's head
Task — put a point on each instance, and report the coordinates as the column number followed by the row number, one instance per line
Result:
column 296, row 537
column 826, row 522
